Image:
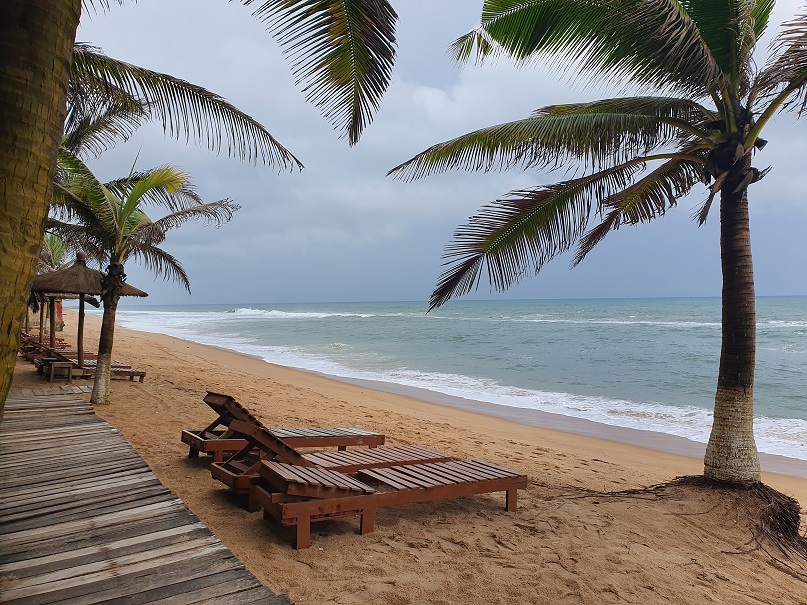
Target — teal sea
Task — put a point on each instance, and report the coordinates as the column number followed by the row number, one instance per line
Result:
column 649, row 364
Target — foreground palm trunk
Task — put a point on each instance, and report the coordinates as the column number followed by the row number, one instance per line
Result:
column 731, row 455
column 36, row 43
column 112, row 285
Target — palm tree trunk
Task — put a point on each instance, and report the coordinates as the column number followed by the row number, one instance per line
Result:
column 731, row 455
column 111, row 286
column 103, row 371
column 36, row 45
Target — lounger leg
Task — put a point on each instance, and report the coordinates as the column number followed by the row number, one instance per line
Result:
column 252, row 503
column 342, row 448
column 367, row 520
column 303, row 533
column 194, row 453
column 511, row 500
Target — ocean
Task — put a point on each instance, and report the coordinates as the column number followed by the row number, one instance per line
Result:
column 648, row 364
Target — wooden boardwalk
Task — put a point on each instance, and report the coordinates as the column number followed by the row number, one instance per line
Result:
column 83, row 519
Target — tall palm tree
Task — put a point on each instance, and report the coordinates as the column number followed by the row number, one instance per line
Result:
column 110, row 222
column 703, row 123
column 342, row 52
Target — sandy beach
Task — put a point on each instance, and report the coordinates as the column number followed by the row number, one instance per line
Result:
column 589, row 528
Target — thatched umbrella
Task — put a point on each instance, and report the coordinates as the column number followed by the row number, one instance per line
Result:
column 79, row 279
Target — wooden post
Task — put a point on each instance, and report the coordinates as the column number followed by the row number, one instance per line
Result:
column 41, row 322
column 52, row 308
column 367, row 520
column 303, row 532
column 511, row 500
column 80, row 336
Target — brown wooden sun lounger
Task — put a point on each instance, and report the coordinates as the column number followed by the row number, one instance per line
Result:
column 217, row 442
column 241, row 470
column 56, row 362
column 297, row 496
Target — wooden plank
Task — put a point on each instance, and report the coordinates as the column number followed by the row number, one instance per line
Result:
column 138, row 584
column 76, row 556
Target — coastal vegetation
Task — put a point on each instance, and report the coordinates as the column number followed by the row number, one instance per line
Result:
column 698, row 120
column 341, row 52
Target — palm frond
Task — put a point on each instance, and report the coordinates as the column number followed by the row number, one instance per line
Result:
column 91, row 4
column 598, row 133
column 157, row 195
column 648, row 198
column 77, row 191
column 158, row 183
column 78, row 238
column 519, row 234
column 214, row 213
column 163, row 264
column 96, row 123
column 341, row 51
column 649, row 42
column 787, row 68
column 184, row 109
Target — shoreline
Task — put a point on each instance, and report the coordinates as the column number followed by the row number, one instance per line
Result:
column 581, row 427
column 654, row 440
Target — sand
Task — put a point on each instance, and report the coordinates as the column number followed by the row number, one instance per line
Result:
column 572, row 540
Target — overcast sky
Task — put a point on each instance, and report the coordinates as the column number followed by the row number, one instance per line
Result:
column 342, row 231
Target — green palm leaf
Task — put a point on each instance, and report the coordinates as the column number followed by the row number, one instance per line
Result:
column 342, row 52
column 78, row 192
column 214, row 213
column 161, row 196
column 184, row 109
column 162, row 263
column 517, row 235
column 96, row 123
column 648, row 198
column 598, row 133
column 649, row 42
column 787, row 70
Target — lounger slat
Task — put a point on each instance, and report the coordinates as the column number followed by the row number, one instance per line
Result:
column 487, row 471
column 441, row 473
column 385, row 475
column 501, row 472
column 414, row 473
column 471, row 472
column 461, row 471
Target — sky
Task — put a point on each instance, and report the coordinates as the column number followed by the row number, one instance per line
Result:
column 340, row 230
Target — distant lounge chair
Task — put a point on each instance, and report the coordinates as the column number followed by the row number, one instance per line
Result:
column 241, row 470
column 297, row 495
column 217, row 442
column 57, row 363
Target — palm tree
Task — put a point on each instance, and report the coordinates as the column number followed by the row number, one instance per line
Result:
column 703, row 123
column 110, row 223
column 341, row 51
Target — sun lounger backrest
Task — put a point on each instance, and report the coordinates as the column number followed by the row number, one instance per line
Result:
column 264, row 440
column 229, row 409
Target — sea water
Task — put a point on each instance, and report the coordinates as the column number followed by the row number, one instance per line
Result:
column 648, row 364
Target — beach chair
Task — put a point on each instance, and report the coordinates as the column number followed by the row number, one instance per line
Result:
column 57, row 363
column 217, row 442
column 240, row 470
column 297, row 496
column 119, row 369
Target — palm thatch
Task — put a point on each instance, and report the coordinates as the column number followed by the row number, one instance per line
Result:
column 77, row 279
